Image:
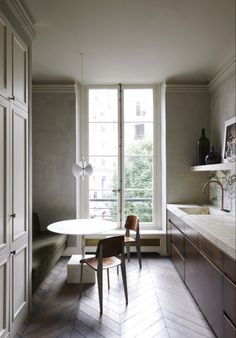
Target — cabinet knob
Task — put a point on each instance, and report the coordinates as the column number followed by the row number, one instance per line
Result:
column 13, row 252
column 11, row 98
column 13, row 215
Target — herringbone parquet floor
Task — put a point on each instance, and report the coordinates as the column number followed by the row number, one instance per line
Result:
column 159, row 306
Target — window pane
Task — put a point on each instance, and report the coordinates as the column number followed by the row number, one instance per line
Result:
column 138, row 105
column 138, row 172
column 138, row 153
column 104, row 173
column 138, row 138
column 103, row 153
column 143, row 209
column 103, row 138
column 103, row 105
column 103, row 210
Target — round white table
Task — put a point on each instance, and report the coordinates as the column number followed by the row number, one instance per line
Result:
column 80, row 227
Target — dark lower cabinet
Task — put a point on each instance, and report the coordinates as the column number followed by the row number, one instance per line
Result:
column 192, row 274
column 178, row 260
column 169, row 234
column 210, row 298
column 229, row 330
column 209, row 275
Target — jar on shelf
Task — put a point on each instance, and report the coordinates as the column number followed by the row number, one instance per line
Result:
column 213, row 157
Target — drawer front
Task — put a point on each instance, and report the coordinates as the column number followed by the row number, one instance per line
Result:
column 229, row 329
column 176, row 220
column 192, row 235
column 229, row 299
column 214, row 254
column 229, row 268
column 191, row 269
column 177, row 239
column 178, row 260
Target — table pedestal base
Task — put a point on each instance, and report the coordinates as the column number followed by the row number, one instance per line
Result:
column 74, row 268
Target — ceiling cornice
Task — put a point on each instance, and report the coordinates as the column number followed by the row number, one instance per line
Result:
column 226, row 71
column 186, row 88
column 22, row 17
column 53, row 88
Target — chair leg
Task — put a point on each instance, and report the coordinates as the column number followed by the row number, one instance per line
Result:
column 81, row 279
column 99, row 279
column 139, row 254
column 128, row 251
column 123, row 271
column 108, row 279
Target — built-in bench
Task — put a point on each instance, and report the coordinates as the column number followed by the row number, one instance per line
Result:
column 47, row 249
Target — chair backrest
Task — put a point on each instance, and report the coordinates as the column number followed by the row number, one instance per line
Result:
column 132, row 223
column 111, row 246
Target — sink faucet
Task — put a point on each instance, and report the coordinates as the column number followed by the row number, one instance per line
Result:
column 222, row 190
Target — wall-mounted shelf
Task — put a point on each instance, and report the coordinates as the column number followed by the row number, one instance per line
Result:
column 215, row 167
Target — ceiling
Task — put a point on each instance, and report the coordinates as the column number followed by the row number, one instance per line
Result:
column 131, row 41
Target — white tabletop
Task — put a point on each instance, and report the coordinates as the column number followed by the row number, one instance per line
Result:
column 81, row 226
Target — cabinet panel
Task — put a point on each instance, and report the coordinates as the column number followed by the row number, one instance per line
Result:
column 210, row 294
column 178, row 239
column 4, row 294
column 229, row 299
column 178, row 260
column 176, row 220
column 229, row 268
column 4, row 172
column 19, row 148
column 19, row 282
column 20, row 72
column 169, row 238
column 229, row 329
column 192, row 268
column 3, row 57
column 192, row 235
column 212, row 252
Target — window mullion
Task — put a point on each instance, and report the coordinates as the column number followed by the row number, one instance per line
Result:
column 121, row 157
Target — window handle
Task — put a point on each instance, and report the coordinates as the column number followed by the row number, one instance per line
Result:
column 116, row 190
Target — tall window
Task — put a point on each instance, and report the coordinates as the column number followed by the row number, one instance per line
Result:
column 121, row 148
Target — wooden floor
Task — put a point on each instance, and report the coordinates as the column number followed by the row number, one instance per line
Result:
column 159, row 306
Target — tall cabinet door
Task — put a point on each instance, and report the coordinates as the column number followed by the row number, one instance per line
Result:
column 5, row 59
column 19, row 72
column 4, row 295
column 4, row 176
column 4, row 217
column 19, row 223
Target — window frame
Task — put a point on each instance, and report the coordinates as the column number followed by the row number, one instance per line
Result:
column 83, row 150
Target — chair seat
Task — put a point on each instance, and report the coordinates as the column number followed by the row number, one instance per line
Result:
column 108, row 263
column 129, row 240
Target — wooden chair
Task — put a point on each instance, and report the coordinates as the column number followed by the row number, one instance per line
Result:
column 132, row 224
column 110, row 253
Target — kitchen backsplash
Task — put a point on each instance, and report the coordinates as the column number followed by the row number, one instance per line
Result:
column 229, row 183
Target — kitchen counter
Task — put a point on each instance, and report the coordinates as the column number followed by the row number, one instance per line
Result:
column 219, row 228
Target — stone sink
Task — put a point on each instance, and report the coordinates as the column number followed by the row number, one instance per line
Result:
column 202, row 210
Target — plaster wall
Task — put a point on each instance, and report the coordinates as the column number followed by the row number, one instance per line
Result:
column 186, row 114
column 54, row 152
